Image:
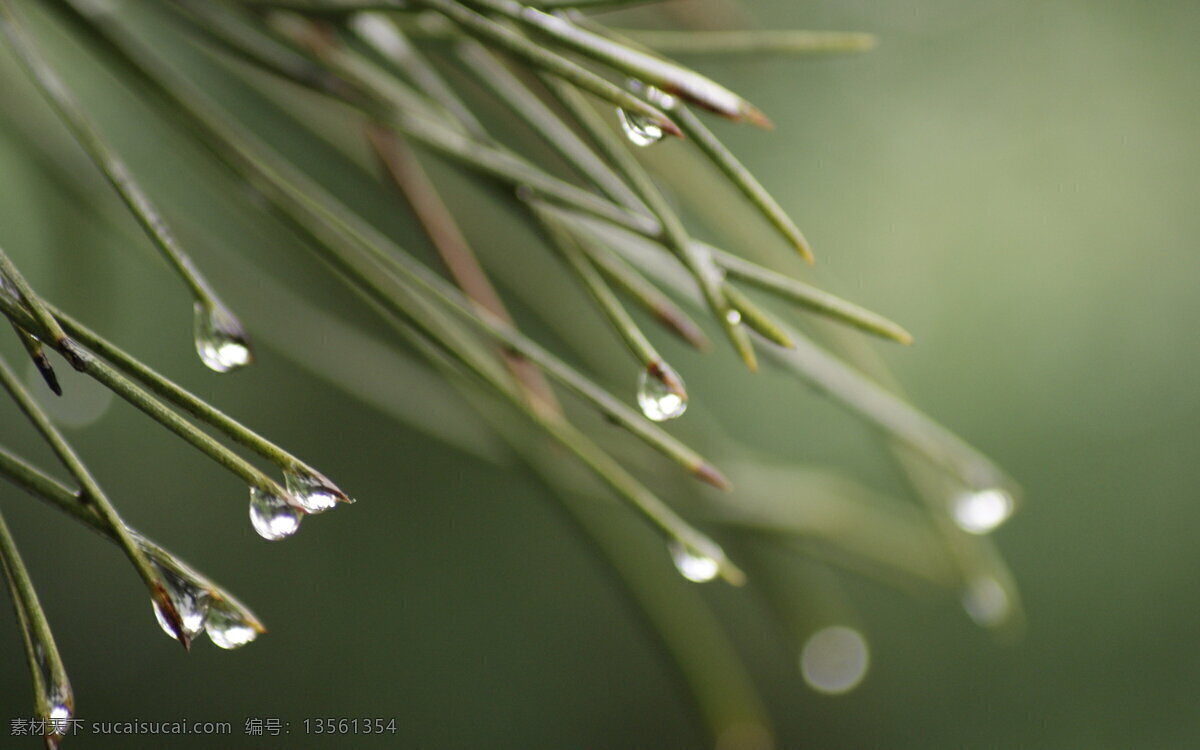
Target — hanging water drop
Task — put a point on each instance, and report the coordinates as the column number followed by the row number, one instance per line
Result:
column 642, row 130
column 190, row 600
column 221, row 341
column 733, row 317
column 58, row 723
column 228, row 627
column 834, row 660
column 986, row 601
column 693, row 563
column 313, row 491
column 981, row 511
column 661, row 394
column 56, row 695
column 273, row 518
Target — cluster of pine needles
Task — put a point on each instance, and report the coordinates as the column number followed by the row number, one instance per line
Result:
column 595, row 96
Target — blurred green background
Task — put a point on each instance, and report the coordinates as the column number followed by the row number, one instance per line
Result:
column 1015, row 182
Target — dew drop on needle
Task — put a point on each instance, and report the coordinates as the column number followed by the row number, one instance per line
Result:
column 312, row 490
column 981, row 511
column 658, row 402
column 228, row 627
column 272, row 517
column 642, row 130
column 692, row 563
column 191, row 602
column 221, row 341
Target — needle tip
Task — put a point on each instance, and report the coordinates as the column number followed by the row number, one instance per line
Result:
column 669, row 127
column 756, row 117
column 733, row 575
column 804, row 250
column 708, row 473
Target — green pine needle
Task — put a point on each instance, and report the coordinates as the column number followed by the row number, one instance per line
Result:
column 416, row 86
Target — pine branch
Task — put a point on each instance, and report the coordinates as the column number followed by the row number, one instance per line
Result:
column 393, row 71
column 221, row 339
column 54, row 701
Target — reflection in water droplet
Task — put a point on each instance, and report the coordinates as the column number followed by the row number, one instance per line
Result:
column 734, row 317
column 191, row 602
column 658, row 402
column 228, row 627
column 221, row 341
column 986, row 601
column 693, row 563
column 56, row 693
column 313, row 490
column 271, row 515
column 834, row 660
column 982, row 511
column 640, row 129
column 58, row 723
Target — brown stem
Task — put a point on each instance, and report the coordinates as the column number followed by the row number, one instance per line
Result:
column 405, row 170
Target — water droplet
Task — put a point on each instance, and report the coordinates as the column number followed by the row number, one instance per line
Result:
column 59, row 721
column 982, row 511
column 221, row 341
column 642, row 130
column 658, row 402
column 273, row 518
column 734, row 317
column 655, row 96
column 191, row 602
column 986, row 602
column 834, row 660
column 693, row 563
column 314, row 492
column 639, row 129
column 56, row 693
column 229, row 627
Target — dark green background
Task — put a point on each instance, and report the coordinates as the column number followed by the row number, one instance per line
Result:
column 1015, row 182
